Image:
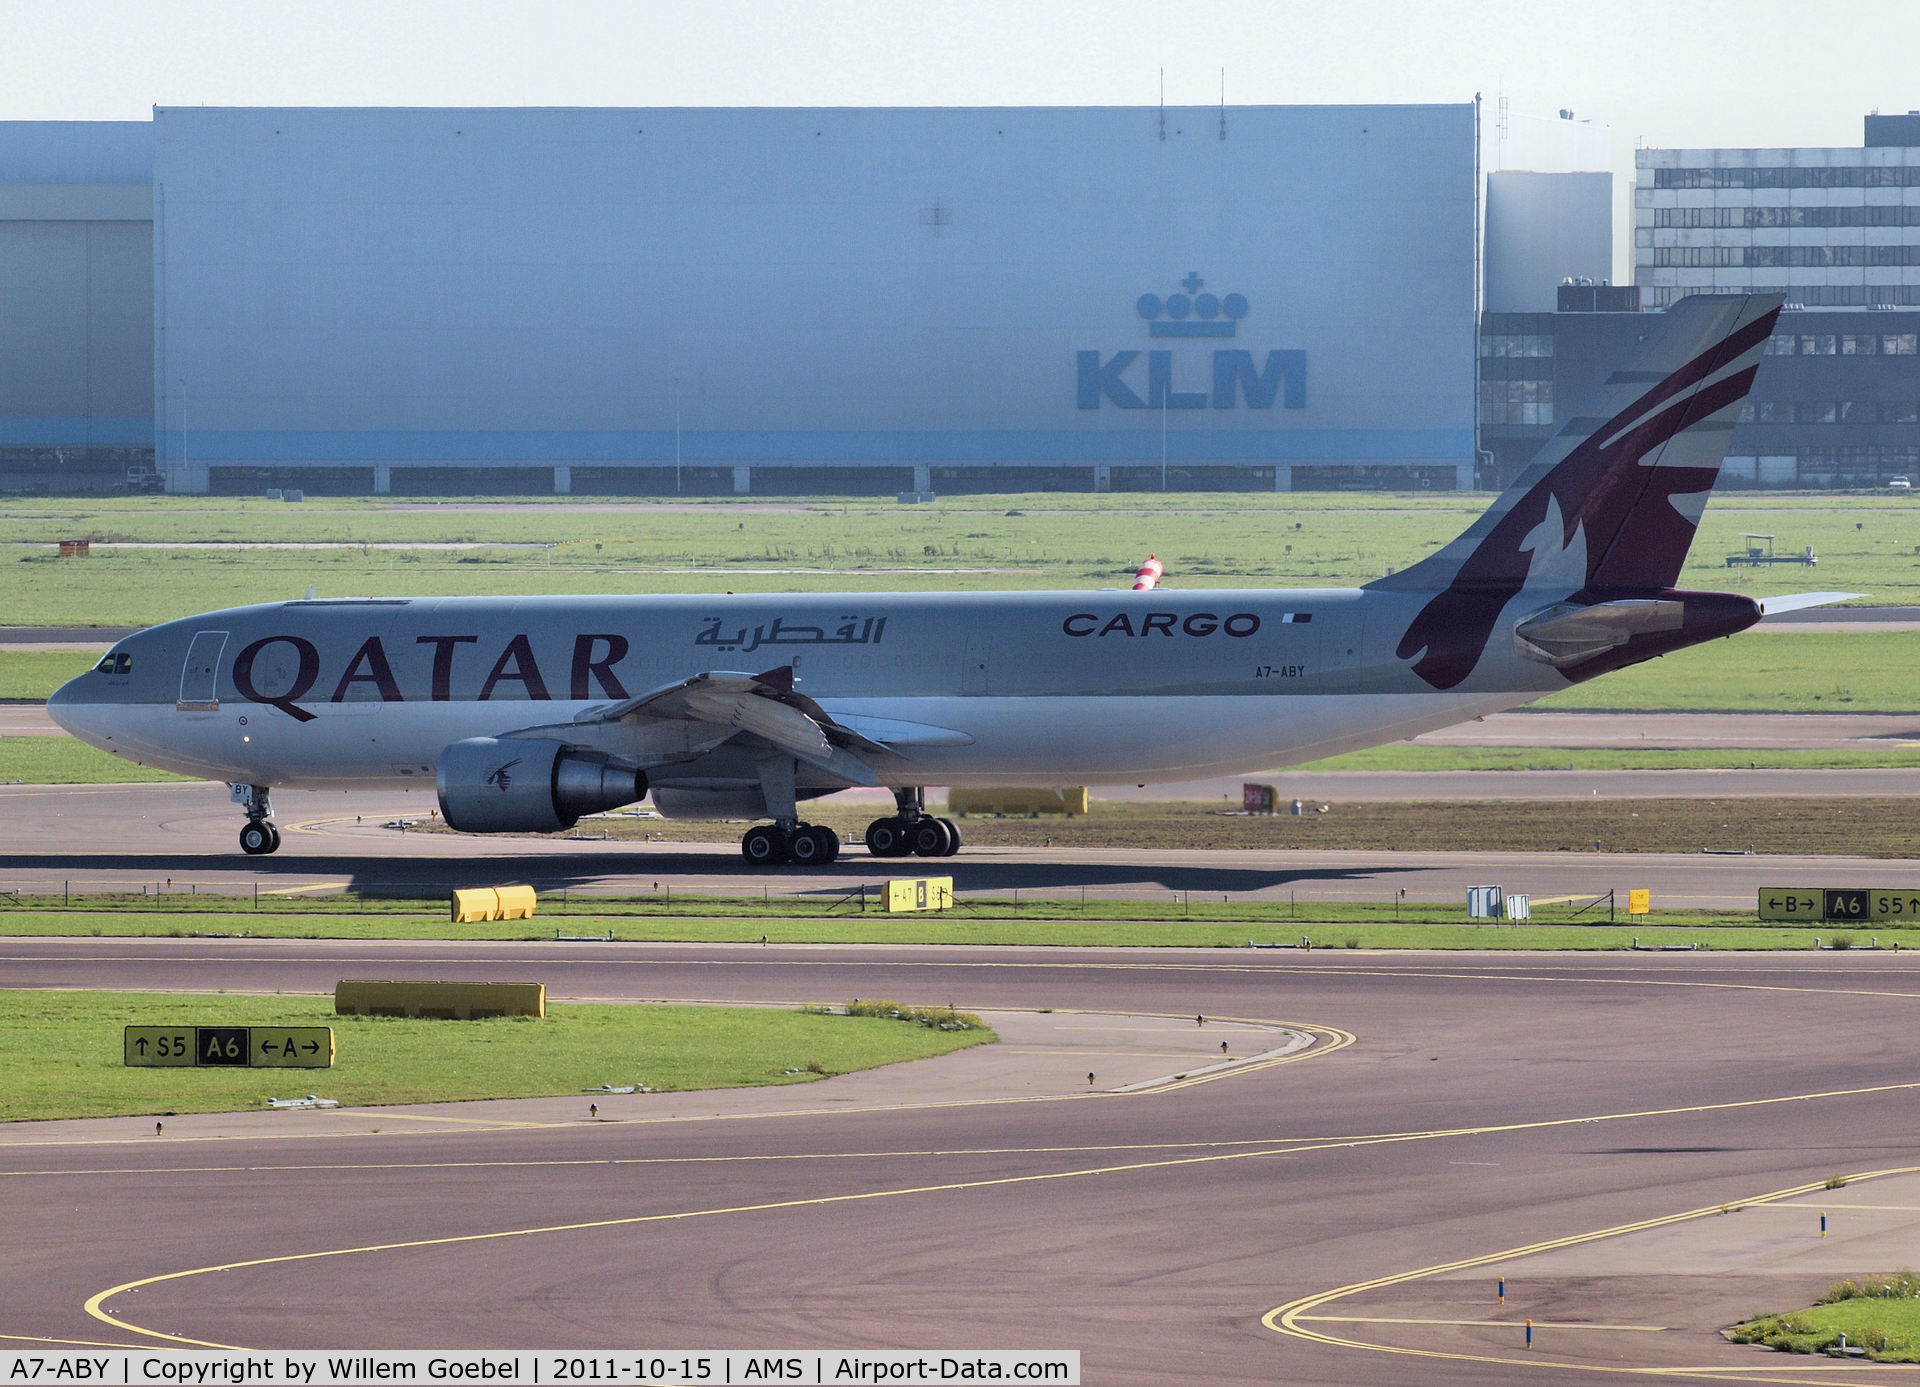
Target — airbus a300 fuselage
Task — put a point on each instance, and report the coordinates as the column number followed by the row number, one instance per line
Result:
column 526, row 713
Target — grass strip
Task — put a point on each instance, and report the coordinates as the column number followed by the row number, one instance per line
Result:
column 1878, row 1313
column 65, row 1059
column 1772, row 672
column 34, row 674
column 834, row 544
column 1047, row 923
column 1408, row 756
column 69, row 761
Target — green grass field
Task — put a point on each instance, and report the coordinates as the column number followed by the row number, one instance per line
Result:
column 34, row 674
column 1772, row 671
column 1869, row 544
column 1878, row 1313
column 67, row 761
column 64, row 1054
column 1184, row 920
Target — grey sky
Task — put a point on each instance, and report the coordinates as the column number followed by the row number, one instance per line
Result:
column 1672, row 72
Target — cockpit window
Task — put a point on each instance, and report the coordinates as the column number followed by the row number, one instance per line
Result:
column 117, row 662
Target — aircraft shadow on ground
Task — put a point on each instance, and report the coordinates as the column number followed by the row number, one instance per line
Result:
column 644, row 873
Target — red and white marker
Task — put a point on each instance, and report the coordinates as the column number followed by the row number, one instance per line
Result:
column 1149, row 574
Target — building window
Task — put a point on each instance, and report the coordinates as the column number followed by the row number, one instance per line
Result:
column 1886, row 176
column 1511, row 403
column 1819, row 344
column 1502, row 344
column 1782, row 344
column 1899, row 343
column 1900, row 412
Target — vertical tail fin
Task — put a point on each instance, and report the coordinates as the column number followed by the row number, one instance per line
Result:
column 1611, row 501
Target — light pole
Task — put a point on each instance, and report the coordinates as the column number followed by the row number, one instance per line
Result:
column 676, row 435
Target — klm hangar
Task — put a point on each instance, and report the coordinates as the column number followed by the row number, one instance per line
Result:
column 803, row 301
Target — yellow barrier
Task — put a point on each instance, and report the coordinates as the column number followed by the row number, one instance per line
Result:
column 1016, row 800
column 470, row 907
column 483, row 903
column 928, row 893
column 449, row 1001
column 516, row 903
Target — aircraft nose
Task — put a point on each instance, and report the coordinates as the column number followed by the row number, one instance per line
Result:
column 65, row 703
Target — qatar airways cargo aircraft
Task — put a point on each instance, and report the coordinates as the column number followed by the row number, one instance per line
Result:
column 528, row 713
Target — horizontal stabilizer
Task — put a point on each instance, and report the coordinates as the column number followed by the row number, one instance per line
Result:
column 1800, row 601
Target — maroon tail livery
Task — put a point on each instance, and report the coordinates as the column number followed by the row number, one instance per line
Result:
column 1607, row 511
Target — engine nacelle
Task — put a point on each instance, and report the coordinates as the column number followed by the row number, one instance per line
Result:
column 744, row 803
column 525, row 785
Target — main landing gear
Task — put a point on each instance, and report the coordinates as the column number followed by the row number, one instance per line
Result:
column 912, row 830
column 259, row 836
column 803, row 845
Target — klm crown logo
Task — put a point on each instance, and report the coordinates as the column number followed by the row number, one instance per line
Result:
column 1192, row 313
column 1235, row 378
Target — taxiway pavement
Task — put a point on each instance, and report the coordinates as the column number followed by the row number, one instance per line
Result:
column 1576, row 1123
column 178, row 838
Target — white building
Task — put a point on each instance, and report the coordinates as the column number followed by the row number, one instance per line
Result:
column 1834, row 228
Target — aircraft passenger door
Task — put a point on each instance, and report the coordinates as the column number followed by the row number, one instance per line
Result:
column 973, row 672
column 198, row 678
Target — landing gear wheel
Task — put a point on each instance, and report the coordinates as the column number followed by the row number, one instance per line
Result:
column 813, row 846
column 933, row 838
column 764, row 846
column 888, row 838
column 258, row 837
column 953, row 837
column 275, row 846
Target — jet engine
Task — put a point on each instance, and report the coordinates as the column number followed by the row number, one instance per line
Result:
column 525, row 785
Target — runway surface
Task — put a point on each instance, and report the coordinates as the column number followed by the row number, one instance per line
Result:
column 1583, row 1126
column 179, row 838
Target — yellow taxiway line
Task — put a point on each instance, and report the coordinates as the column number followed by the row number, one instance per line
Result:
column 1285, row 1319
column 1293, row 1317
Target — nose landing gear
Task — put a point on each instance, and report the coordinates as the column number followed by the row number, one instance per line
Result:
column 258, row 836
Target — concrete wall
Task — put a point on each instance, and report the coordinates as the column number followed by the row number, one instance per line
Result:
column 397, row 293
column 1542, row 228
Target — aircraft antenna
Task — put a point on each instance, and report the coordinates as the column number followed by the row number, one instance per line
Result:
column 1163, row 103
column 1223, row 103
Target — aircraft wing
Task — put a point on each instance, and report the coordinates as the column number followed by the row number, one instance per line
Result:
column 764, row 705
